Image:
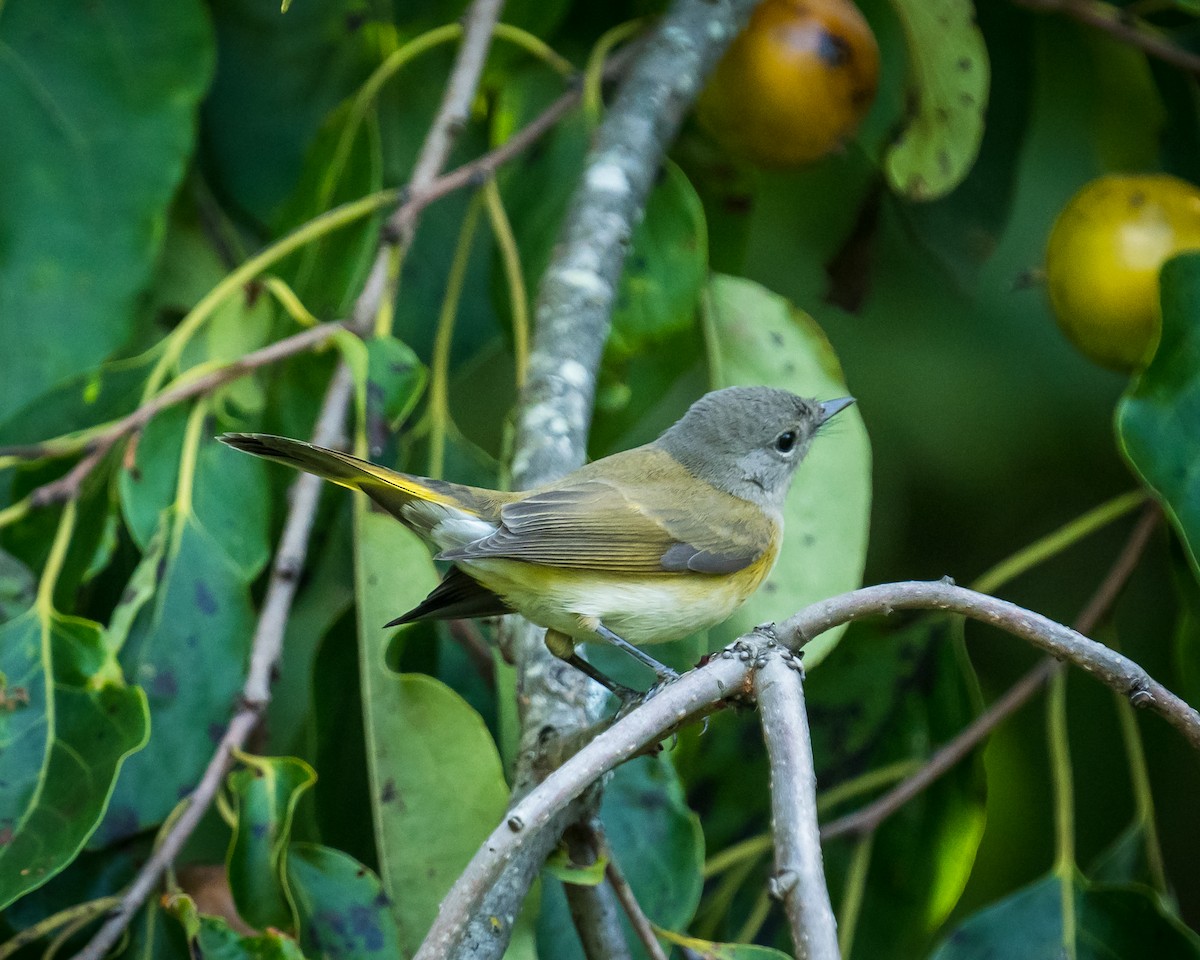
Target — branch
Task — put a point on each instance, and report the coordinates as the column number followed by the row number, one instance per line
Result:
column 265, row 651
column 799, row 878
column 1123, row 26
column 580, row 282
column 293, row 546
column 558, row 704
column 633, row 910
column 728, row 674
column 67, row 486
column 945, row 757
column 397, row 235
column 1061, row 642
column 414, row 203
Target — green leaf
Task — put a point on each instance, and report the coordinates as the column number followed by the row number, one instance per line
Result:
column 886, row 696
column 91, row 160
column 757, row 337
column 340, row 165
column 213, row 939
column 656, row 838
column 436, row 781
column 561, row 867
column 1111, row 921
column 229, row 490
column 665, row 269
column 394, row 381
column 1157, row 415
column 280, row 77
column 67, row 721
column 1124, row 860
column 657, row 841
column 949, row 82
column 266, row 791
column 18, row 586
column 344, row 913
column 86, row 399
column 187, row 646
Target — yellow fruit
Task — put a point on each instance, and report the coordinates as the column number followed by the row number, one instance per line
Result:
column 1103, row 258
column 794, row 84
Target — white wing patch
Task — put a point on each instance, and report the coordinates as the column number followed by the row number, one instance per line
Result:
column 448, row 527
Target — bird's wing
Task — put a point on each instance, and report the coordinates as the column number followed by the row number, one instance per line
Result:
column 595, row 524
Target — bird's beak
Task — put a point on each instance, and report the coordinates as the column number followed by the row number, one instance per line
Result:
column 831, row 408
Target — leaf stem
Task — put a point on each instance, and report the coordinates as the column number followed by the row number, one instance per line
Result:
column 188, row 458
column 319, row 226
column 1143, row 798
column 439, row 374
column 510, row 256
column 291, row 303
column 748, row 849
column 54, row 565
column 70, row 915
column 1044, row 548
column 1064, row 804
column 15, row 512
column 593, row 73
column 855, row 890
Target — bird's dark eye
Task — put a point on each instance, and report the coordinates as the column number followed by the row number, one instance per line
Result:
column 785, row 441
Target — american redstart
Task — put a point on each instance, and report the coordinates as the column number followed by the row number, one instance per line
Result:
column 643, row 546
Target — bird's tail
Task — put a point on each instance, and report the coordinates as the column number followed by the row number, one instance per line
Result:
column 393, row 491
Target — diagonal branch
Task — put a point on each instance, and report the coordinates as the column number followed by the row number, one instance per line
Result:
column 293, row 546
column 728, row 675
column 945, row 757
column 559, row 705
column 265, row 651
column 1122, row 25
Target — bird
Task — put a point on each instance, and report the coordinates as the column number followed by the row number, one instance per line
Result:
column 640, row 547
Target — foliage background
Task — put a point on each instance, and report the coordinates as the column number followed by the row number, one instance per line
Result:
column 150, row 149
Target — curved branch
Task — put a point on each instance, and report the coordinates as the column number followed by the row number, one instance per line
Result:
column 1123, row 26
column 799, row 878
column 1061, row 642
column 950, row 753
column 558, row 704
column 728, row 675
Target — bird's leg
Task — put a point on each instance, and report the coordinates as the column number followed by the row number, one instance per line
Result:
column 563, row 647
column 664, row 673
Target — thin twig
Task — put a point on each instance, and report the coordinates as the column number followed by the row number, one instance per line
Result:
column 945, row 757
column 799, row 878
column 1121, row 25
column 633, row 910
column 594, row 909
column 469, row 637
column 67, row 487
column 479, row 23
column 265, row 651
column 474, row 173
column 534, row 816
column 289, row 559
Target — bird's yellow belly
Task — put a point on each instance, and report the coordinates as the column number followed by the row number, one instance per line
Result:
column 640, row 609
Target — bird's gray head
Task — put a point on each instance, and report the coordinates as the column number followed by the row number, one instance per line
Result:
column 748, row 441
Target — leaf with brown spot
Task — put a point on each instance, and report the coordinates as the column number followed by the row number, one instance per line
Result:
column 949, row 80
